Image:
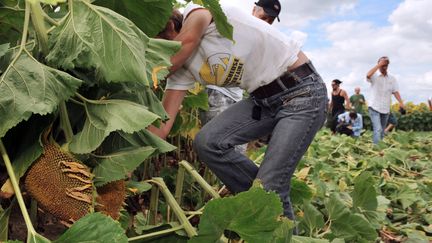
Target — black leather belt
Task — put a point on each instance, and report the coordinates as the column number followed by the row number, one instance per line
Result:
column 288, row 79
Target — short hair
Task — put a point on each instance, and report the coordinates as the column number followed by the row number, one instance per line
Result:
column 177, row 19
column 383, row 57
column 337, row 81
column 353, row 115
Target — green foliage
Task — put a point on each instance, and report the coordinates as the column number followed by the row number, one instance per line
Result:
column 94, row 227
column 222, row 24
column 253, row 215
column 114, row 167
column 11, row 20
column 28, row 87
column 416, row 121
column 150, row 16
column 106, row 116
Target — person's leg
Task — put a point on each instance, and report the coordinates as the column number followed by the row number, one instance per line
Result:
column 376, row 125
column 218, row 102
column 384, row 120
column 215, row 143
column 299, row 120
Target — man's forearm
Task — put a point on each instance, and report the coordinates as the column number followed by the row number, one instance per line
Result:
column 372, row 71
column 398, row 97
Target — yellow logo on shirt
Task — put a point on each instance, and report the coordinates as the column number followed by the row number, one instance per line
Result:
column 222, row 69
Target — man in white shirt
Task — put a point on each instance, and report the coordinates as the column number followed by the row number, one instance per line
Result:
column 287, row 99
column 383, row 85
column 220, row 98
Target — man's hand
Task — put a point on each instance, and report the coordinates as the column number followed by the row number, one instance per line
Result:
column 349, row 127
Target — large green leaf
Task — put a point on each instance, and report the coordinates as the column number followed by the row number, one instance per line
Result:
column 114, row 167
column 97, row 37
column 199, row 100
column 106, row 116
column 354, row 227
column 283, row 234
column 150, row 16
column 222, row 24
column 252, row 214
column 94, row 227
column 336, row 209
column 364, row 194
column 28, row 87
column 146, row 138
column 302, row 239
column 158, row 54
column 141, row 94
column 300, row 191
column 312, row 220
column 11, row 21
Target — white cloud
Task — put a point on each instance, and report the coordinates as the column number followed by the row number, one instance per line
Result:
column 355, row 46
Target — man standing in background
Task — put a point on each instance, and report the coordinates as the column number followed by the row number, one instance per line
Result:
column 357, row 100
column 383, row 86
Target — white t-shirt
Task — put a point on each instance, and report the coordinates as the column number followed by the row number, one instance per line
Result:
column 382, row 88
column 235, row 93
column 259, row 54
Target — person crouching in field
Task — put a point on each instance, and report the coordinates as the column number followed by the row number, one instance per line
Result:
column 287, row 97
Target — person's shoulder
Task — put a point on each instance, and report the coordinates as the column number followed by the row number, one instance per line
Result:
column 190, row 7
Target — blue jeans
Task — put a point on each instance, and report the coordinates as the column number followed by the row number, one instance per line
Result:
column 379, row 123
column 293, row 117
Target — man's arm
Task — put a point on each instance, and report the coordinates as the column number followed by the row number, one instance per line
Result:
column 171, row 102
column 375, row 68
column 347, row 100
column 190, row 36
column 399, row 99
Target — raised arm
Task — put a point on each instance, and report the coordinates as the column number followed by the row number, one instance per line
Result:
column 382, row 62
column 190, row 36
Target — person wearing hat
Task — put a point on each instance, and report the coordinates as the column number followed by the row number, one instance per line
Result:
column 337, row 107
column 267, row 10
column 288, row 97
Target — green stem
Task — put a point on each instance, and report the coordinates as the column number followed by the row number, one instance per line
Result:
column 158, row 233
column 65, row 122
column 37, row 14
column 197, row 177
column 190, row 230
column 154, row 199
column 16, row 188
column 23, row 39
column 179, row 186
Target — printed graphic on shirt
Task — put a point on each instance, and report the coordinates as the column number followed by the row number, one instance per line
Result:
column 222, row 69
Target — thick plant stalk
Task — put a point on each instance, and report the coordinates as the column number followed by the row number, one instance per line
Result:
column 65, row 122
column 37, row 15
column 190, row 230
column 197, row 177
column 31, row 232
column 179, row 186
column 154, row 198
column 157, row 233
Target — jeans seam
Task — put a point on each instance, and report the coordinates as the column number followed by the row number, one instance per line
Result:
column 285, row 174
column 219, row 151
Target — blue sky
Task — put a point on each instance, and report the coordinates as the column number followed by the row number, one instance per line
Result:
column 344, row 38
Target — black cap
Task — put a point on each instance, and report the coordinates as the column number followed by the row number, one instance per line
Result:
column 271, row 7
